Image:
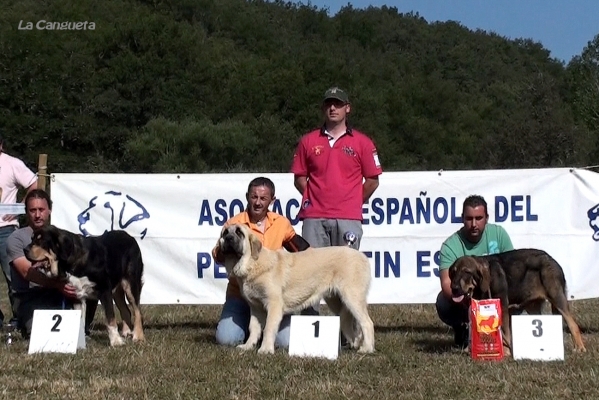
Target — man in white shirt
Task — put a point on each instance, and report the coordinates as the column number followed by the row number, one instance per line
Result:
column 14, row 174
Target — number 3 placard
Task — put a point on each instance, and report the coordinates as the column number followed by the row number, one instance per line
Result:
column 56, row 331
column 538, row 337
column 314, row 336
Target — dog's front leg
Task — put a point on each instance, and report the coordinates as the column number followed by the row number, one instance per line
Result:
column 274, row 315
column 83, row 307
column 506, row 327
column 255, row 328
column 111, row 325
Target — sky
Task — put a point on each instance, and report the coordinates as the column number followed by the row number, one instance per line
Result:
column 564, row 27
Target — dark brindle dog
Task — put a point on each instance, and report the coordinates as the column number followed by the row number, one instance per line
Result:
column 112, row 263
column 522, row 280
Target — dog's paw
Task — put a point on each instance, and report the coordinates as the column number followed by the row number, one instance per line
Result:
column 580, row 349
column 126, row 331
column 245, row 347
column 354, row 344
column 138, row 339
column 266, row 350
column 366, row 349
column 117, row 341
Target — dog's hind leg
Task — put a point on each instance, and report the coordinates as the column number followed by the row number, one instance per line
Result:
column 255, row 328
column 506, row 326
column 554, row 283
column 346, row 320
column 133, row 298
column 349, row 328
column 358, row 306
column 119, row 299
column 132, row 285
column 82, row 305
column 560, row 305
column 111, row 325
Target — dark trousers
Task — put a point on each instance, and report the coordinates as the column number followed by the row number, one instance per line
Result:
column 451, row 313
column 45, row 299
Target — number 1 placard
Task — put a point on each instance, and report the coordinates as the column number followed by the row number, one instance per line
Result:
column 314, row 336
column 56, row 331
column 537, row 337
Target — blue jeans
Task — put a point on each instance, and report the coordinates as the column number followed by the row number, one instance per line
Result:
column 232, row 328
column 5, row 232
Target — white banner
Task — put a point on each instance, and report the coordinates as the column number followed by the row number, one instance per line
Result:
column 177, row 220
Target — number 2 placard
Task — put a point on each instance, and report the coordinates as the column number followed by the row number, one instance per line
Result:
column 538, row 337
column 56, row 331
column 314, row 336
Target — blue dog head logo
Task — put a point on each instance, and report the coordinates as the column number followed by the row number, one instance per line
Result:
column 593, row 215
column 113, row 210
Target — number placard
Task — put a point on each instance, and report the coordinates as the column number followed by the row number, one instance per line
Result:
column 538, row 337
column 314, row 336
column 57, row 331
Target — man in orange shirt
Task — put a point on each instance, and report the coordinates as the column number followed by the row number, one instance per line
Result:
column 274, row 231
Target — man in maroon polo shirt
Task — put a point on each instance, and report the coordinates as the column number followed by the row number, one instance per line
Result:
column 336, row 170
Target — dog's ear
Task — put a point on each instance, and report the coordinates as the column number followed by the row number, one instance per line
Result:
column 220, row 239
column 65, row 247
column 255, row 246
column 452, row 270
column 484, row 282
column 216, row 253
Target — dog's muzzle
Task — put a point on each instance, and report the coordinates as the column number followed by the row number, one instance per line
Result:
column 229, row 244
column 44, row 261
column 458, row 295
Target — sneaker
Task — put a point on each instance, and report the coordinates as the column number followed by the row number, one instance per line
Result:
column 13, row 323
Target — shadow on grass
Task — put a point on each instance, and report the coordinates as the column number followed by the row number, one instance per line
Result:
column 411, row 329
column 584, row 329
column 180, row 325
column 205, row 337
column 434, row 346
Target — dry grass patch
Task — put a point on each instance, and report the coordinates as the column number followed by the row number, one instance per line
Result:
column 180, row 360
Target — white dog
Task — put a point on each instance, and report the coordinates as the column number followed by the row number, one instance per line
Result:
column 278, row 282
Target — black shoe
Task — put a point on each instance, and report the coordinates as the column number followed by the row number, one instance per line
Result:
column 343, row 342
column 461, row 336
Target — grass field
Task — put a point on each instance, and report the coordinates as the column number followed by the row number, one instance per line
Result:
column 180, row 360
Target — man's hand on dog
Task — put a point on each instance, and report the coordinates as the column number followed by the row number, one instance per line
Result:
column 69, row 291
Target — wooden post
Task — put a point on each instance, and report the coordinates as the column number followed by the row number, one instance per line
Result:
column 42, row 171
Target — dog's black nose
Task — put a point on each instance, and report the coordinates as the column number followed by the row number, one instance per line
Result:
column 456, row 291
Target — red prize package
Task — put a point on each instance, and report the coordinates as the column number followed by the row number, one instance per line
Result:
column 486, row 342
